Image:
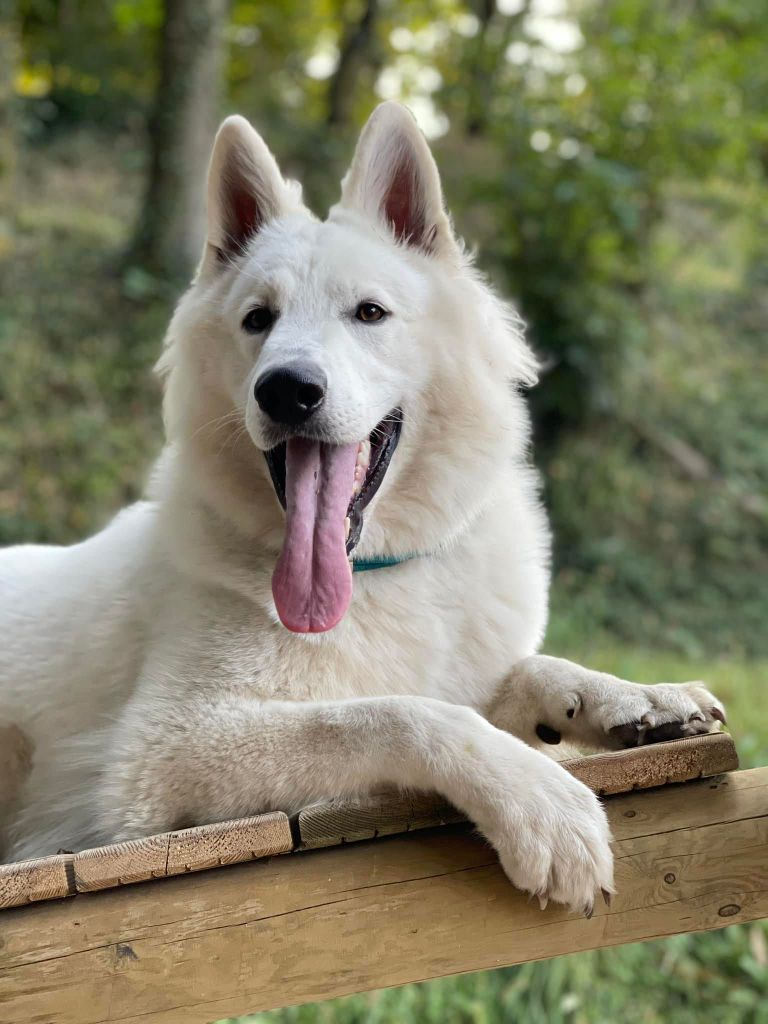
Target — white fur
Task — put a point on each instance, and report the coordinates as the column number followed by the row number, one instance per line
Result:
column 146, row 667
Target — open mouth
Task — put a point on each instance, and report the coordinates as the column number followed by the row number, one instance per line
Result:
column 324, row 490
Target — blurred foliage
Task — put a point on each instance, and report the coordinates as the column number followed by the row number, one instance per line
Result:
column 79, row 412
column 609, row 160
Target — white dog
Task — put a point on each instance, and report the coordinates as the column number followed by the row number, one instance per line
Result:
column 333, row 389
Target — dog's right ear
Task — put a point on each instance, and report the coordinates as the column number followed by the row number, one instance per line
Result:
column 245, row 189
column 393, row 179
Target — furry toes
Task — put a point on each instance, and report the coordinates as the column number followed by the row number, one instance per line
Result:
column 557, row 846
column 663, row 712
column 546, row 700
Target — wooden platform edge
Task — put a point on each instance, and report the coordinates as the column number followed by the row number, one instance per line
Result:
column 29, row 881
column 621, row 771
column 298, row 929
column 331, row 824
column 159, row 856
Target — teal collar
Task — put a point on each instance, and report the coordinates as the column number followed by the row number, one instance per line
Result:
column 382, row 562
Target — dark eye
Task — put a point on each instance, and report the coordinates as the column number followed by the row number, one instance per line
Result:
column 369, row 312
column 258, row 320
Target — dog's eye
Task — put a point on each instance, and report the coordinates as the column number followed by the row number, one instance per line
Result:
column 258, row 320
column 369, row 312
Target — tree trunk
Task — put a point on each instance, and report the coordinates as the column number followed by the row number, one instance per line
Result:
column 357, row 54
column 9, row 62
column 486, row 57
column 171, row 228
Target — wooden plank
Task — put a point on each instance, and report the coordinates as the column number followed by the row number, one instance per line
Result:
column 658, row 764
column 405, row 908
column 28, row 881
column 228, row 842
column 346, row 821
column 349, row 821
column 120, row 863
column 173, row 853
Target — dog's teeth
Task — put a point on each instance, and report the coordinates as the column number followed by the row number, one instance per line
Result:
column 347, row 527
column 364, row 454
column 361, row 466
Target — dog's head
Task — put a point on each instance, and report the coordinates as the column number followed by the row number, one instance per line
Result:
column 356, row 372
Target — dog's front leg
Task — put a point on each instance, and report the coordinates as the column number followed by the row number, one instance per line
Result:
column 237, row 757
column 546, row 700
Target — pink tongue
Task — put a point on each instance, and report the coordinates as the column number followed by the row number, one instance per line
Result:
column 312, row 581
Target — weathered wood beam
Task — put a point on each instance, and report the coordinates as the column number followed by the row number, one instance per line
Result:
column 329, row 824
column 328, row 922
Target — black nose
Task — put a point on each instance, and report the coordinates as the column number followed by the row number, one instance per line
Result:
column 291, row 394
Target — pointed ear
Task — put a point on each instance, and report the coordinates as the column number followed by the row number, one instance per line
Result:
column 393, row 178
column 245, row 189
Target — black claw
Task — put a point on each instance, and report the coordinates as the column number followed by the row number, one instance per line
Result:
column 667, row 731
column 589, row 911
column 629, row 734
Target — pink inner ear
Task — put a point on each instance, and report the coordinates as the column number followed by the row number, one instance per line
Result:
column 402, row 205
column 243, row 215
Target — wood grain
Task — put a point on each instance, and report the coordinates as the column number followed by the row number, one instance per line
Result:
column 349, row 821
column 621, row 771
column 228, row 842
column 28, row 881
column 120, row 863
column 191, row 849
column 399, row 909
column 346, row 821
column 171, row 853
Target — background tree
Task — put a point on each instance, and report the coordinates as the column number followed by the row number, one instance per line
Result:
column 9, row 63
column 171, row 226
column 360, row 56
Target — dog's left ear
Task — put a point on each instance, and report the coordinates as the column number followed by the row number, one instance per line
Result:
column 393, row 179
column 245, row 189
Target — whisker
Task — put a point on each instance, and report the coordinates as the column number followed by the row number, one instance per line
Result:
column 232, row 440
column 233, row 416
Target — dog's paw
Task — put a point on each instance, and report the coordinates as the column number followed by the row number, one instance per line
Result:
column 555, row 844
column 666, row 711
